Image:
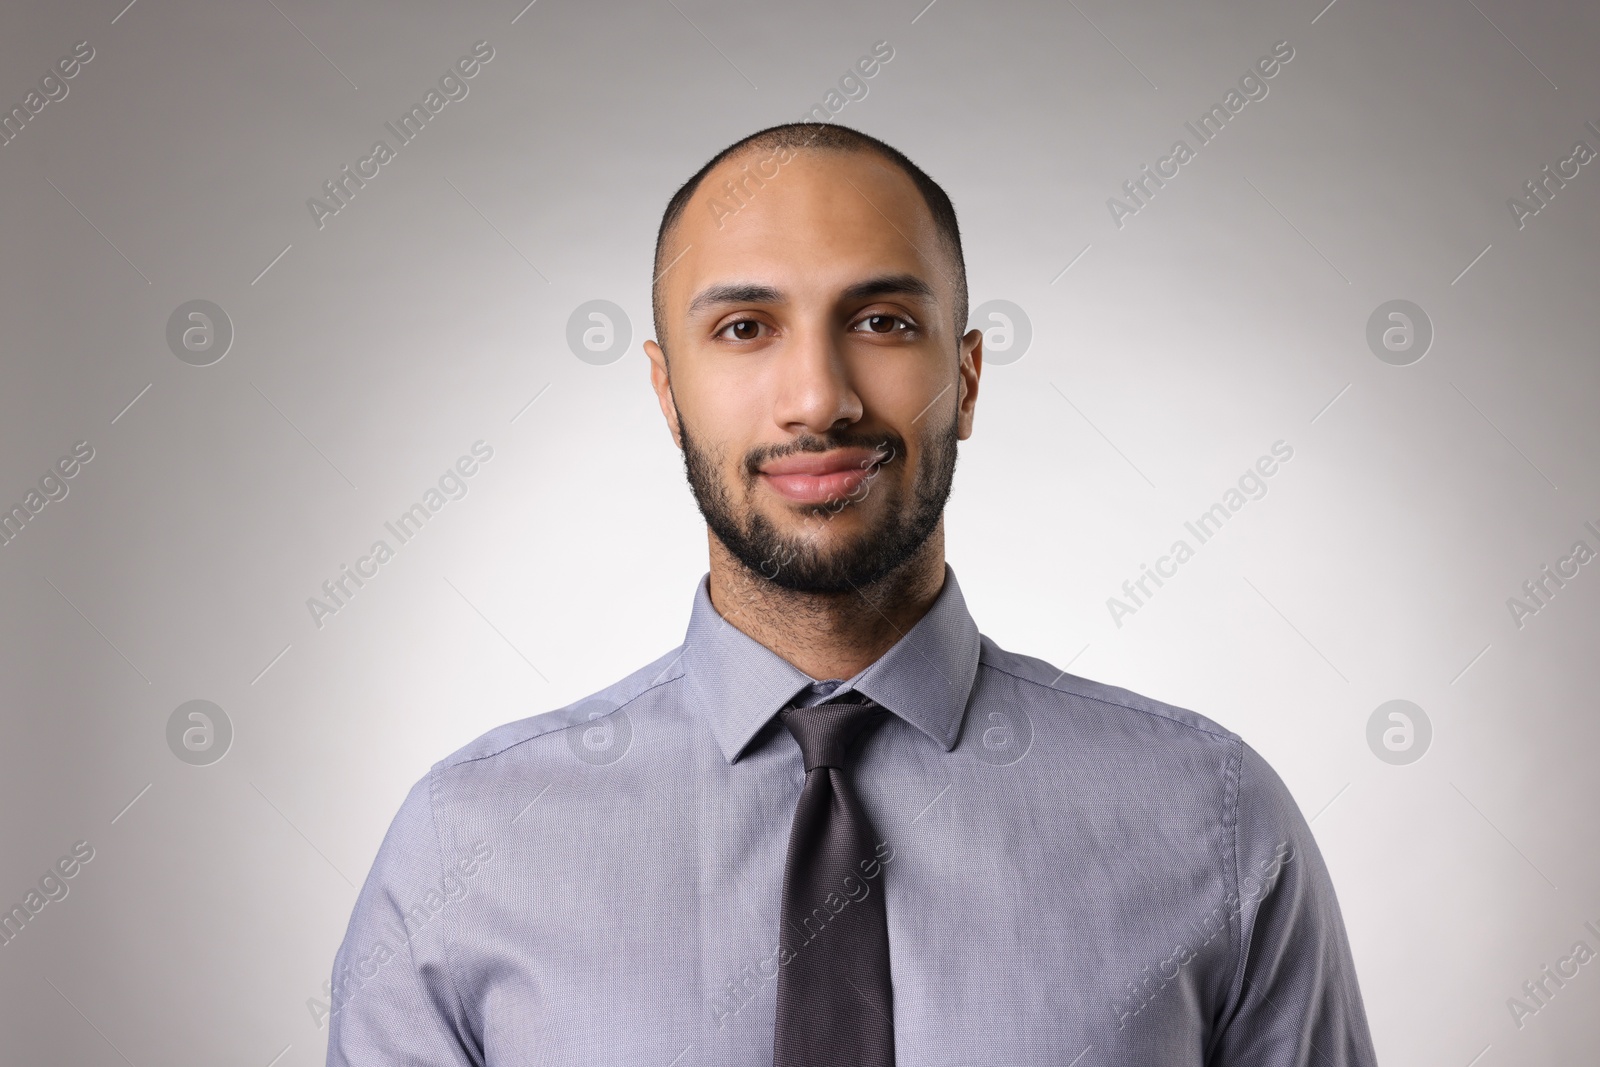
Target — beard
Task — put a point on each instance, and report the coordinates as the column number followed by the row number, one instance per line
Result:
column 797, row 563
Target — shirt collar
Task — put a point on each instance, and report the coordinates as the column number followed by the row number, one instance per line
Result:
column 925, row 677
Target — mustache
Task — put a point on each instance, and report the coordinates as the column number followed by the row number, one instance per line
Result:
column 884, row 446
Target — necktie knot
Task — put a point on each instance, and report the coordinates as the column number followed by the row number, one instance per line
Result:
column 827, row 731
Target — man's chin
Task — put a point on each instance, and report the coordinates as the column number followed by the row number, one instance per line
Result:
column 832, row 576
column 803, row 558
column 826, row 538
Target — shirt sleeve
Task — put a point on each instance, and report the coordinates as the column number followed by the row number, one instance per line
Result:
column 393, row 998
column 1294, row 1001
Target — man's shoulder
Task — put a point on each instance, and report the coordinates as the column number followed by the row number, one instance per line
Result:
column 592, row 710
column 1086, row 714
column 1043, row 684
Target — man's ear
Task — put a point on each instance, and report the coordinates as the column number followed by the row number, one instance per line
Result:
column 660, row 382
column 970, row 369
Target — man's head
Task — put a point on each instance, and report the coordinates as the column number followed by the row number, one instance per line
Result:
column 811, row 292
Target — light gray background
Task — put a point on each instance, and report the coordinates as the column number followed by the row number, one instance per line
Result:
column 1228, row 314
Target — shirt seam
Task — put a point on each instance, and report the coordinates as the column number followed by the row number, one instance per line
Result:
column 444, row 933
column 444, row 766
column 1235, row 783
column 1225, row 736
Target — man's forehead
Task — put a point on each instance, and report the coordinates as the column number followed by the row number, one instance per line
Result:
column 836, row 218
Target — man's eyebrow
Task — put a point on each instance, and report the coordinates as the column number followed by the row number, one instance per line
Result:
column 734, row 293
column 756, row 293
column 890, row 285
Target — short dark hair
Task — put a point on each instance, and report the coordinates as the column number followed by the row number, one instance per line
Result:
column 830, row 137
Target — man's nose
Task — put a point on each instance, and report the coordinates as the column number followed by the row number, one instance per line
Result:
column 815, row 391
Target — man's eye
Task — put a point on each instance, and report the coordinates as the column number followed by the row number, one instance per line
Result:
column 743, row 330
column 884, row 324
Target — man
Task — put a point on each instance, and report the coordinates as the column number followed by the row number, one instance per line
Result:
column 837, row 825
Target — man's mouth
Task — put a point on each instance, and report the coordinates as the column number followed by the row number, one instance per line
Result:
column 822, row 477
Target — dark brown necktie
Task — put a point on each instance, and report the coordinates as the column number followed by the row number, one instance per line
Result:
column 835, row 1005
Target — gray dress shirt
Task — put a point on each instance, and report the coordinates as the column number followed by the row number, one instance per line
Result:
column 1075, row 875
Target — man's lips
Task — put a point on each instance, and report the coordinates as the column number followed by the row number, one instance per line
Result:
column 821, row 477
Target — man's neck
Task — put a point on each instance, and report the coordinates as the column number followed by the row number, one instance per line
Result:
column 828, row 635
